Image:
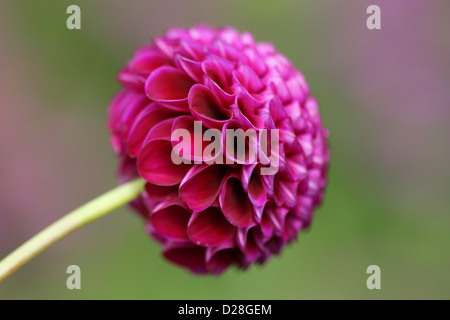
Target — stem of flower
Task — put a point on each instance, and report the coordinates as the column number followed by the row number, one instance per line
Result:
column 74, row 220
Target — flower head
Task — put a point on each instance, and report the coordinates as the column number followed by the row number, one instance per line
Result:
column 217, row 209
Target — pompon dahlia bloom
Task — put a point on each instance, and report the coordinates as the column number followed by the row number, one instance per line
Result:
column 210, row 216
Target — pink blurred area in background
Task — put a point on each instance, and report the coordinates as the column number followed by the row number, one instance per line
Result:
column 398, row 78
column 50, row 155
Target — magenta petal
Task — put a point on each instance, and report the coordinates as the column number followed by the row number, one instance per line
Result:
column 206, row 108
column 226, row 51
column 295, row 160
column 241, row 237
column 131, row 80
column 161, row 193
column 123, row 113
column 116, row 107
column 315, row 181
column 306, row 141
column 277, row 216
column 155, row 164
column 256, row 190
column 266, row 226
column 201, row 189
column 189, row 256
column 168, row 83
column 127, row 169
column 130, row 113
column 251, row 249
column 149, row 203
column 161, row 130
column 218, row 73
column 293, row 110
column 275, row 244
column 246, row 174
column 203, row 34
column 281, row 121
column 279, row 87
column 168, row 46
column 258, row 212
column 254, row 184
column 304, row 209
column 247, row 106
column 124, row 108
column 248, row 79
column 209, row 228
column 235, row 203
column 169, row 87
column 230, row 36
column 286, row 192
column 148, row 61
column 224, row 97
column 194, row 171
column 140, row 205
column 170, row 219
column 192, row 68
column 220, row 260
column 298, row 87
column 192, row 50
column 277, row 110
column 268, row 181
column 158, row 237
column 143, row 123
column 255, row 61
column 291, row 227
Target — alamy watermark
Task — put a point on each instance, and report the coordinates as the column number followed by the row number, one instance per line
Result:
column 374, row 280
column 74, row 20
column 74, row 280
column 374, row 20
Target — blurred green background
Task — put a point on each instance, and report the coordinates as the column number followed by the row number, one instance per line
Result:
column 383, row 94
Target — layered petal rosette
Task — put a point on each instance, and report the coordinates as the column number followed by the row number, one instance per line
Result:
column 217, row 209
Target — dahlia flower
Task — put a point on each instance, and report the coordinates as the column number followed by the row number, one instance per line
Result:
column 210, row 215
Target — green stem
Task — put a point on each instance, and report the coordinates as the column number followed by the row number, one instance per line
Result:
column 74, row 220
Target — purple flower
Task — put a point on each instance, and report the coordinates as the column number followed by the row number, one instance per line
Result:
column 209, row 216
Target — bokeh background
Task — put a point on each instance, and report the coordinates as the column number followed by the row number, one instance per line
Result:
column 384, row 95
